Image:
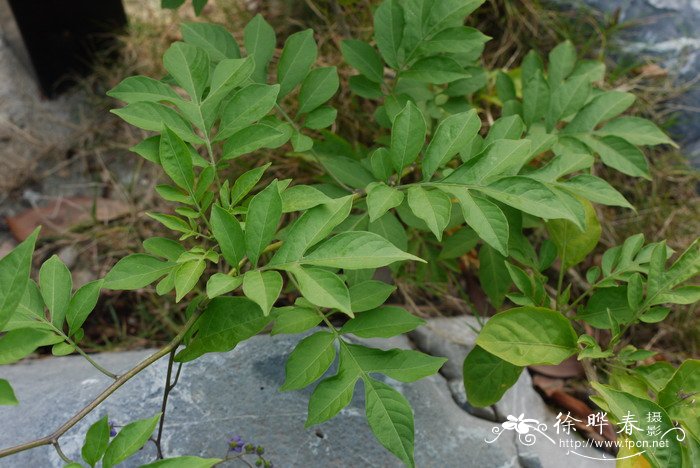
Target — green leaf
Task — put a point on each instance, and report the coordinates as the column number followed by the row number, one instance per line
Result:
column 369, row 294
column 264, row 213
column 302, row 197
column 432, row 206
column 391, row 419
column 148, row 149
column 189, row 66
column 380, row 162
column 435, row 70
column 220, row 283
column 487, row 377
column 561, row 165
column 262, row 287
column 136, row 271
column 247, row 106
column 228, row 233
column 388, row 31
column 312, row 227
column 245, row 183
column 451, row 136
column 15, row 268
column 184, row 462
column 152, row 116
column 573, row 244
column 381, row 198
column 603, row 107
column 622, row 404
column 364, row 58
column 310, row 359
column 332, row 394
column 301, row 142
column 383, row 322
column 176, row 160
column 505, row 88
column 458, row 243
column 187, row 276
column 323, row 288
column 226, row 322
column 595, row 189
column 404, row 365
column 96, row 441
column 142, row 88
column 7, row 395
column 619, row 154
column 81, row 304
column 228, row 74
column 171, row 4
column 172, row 222
column 298, row 54
column 506, row 128
column 531, row 197
column 464, row 41
column 493, row 275
column 561, row 62
column 567, row 99
column 535, row 97
column 214, row 39
column 259, row 39
column 485, row 217
column 17, row 344
column 347, row 170
column 607, row 308
column 526, row 336
column 355, row 250
column 656, row 375
column 679, row 396
column 684, row 295
column 56, row 286
column 447, row 13
column 318, row 87
column 365, row 88
column 320, row 118
column 129, row 440
column 407, row 136
column 30, row 311
column 293, row 319
column 637, row 131
column 268, row 134
column 162, row 247
column 502, row 158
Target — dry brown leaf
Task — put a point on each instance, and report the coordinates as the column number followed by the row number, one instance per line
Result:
column 63, row 214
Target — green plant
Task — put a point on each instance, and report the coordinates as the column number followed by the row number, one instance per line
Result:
column 371, row 208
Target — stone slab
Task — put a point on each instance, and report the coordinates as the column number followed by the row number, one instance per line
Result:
column 235, row 393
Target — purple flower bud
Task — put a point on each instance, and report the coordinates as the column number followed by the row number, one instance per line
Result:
column 235, row 444
column 112, row 430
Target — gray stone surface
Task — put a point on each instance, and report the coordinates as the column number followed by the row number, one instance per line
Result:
column 667, row 32
column 454, row 337
column 236, row 393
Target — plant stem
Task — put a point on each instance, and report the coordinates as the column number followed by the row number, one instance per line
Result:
column 52, row 439
column 91, row 361
column 60, row 452
column 164, row 406
column 79, row 350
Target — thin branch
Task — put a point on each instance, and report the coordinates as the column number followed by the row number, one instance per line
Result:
column 60, row 452
column 166, row 392
column 52, row 439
